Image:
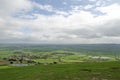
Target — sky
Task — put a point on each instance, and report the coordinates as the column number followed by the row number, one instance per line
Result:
column 60, row 21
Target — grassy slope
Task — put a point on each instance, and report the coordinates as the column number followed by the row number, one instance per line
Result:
column 98, row 71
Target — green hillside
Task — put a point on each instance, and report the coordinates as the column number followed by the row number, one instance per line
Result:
column 72, row 71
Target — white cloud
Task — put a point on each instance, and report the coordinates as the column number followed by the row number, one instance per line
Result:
column 111, row 11
column 93, row 0
column 43, row 7
column 9, row 6
column 88, row 6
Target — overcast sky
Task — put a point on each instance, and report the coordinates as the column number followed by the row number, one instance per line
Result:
column 60, row 21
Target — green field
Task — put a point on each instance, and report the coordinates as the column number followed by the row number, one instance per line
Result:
column 61, row 53
column 73, row 71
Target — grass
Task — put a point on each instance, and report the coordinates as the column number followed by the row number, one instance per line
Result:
column 72, row 71
column 4, row 67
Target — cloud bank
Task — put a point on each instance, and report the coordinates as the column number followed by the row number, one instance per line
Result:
column 26, row 21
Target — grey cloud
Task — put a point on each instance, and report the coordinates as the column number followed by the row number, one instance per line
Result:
column 110, row 29
column 64, row 37
column 84, row 33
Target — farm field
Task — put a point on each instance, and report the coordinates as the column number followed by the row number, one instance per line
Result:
column 60, row 53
